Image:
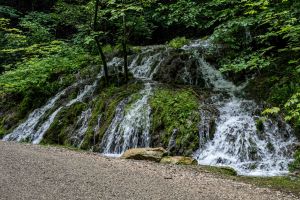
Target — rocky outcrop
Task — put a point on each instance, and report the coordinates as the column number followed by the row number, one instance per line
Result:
column 179, row 160
column 179, row 68
column 151, row 154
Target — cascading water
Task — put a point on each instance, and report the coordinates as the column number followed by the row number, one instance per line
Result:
column 82, row 124
column 146, row 64
column 237, row 142
column 33, row 130
column 25, row 129
column 129, row 129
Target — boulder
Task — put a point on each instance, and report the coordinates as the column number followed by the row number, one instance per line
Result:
column 179, row 160
column 179, row 68
column 151, row 154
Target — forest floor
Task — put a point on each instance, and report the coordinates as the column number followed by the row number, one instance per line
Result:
column 45, row 172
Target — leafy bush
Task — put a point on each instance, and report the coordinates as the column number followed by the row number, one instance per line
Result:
column 251, row 62
column 39, row 26
column 293, row 108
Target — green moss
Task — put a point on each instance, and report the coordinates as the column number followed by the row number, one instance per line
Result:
column 63, row 125
column 176, row 110
column 178, row 42
column 227, row 171
column 295, row 165
column 2, row 132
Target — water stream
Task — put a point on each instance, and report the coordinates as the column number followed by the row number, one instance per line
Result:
column 34, row 128
column 237, row 143
column 131, row 127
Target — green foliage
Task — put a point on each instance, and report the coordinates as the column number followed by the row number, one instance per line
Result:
column 10, row 12
column 176, row 110
column 41, row 72
column 295, row 165
column 10, row 37
column 178, row 42
column 271, row 111
column 181, row 12
column 39, row 26
column 251, row 62
column 136, row 24
column 73, row 13
column 293, row 108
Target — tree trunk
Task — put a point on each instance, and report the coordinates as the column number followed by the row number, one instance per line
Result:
column 102, row 55
column 103, row 58
column 124, row 44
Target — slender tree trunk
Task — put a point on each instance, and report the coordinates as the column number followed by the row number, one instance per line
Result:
column 124, row 44
column 102, row 55
column 103, row 58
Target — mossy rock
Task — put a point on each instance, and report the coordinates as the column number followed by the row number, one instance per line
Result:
column 179, row 68
column 151, row 154
column 221, row 170
column 63, row 126
column 229, row 171
column 178, row 160
column 175, row 120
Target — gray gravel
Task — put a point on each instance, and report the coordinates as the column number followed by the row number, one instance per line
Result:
column 37, row 172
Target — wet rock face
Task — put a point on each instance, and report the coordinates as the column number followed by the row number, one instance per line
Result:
column 179, row 68
column 151, row 154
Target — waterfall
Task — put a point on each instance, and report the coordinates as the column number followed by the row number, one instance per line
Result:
column 146, row 64
column 233, row 140
column 26, row 128
column 129, row 129
column 237, row 143
column 34, row 128
column 82, row 124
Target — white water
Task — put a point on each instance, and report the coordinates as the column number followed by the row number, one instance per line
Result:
column 237, row 143
column 31, row 130
column 25, row 129
column 129, row 129
column 77, row 137
column 146, row 64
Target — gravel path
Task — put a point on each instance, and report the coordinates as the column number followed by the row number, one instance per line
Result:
column 36, row 172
